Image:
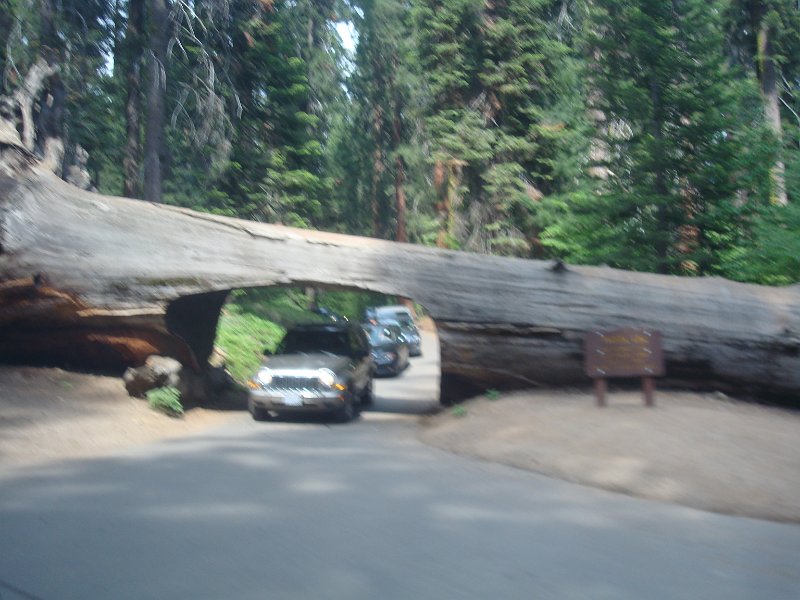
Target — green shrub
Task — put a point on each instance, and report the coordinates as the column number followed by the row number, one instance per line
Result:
column 492, row 395
column 167, row 400
column 243, row 337
column 459, row 411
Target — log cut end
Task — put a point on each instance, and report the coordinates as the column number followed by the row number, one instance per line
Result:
column 44, row 325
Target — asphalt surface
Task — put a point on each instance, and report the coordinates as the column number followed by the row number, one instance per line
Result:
column 310, row 510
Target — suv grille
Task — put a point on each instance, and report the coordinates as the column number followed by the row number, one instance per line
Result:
column 295, row 383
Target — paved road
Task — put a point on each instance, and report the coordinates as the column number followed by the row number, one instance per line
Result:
column 361, row 511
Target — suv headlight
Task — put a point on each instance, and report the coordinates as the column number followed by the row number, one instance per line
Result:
column 264, row 377
column 326, row 377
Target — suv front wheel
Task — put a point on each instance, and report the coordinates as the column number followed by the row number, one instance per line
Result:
column 348, row 411
column 260, row 414
column 367, row 395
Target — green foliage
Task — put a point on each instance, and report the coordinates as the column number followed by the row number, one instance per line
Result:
column 772, row 256
column 81, row 105
column 255, row 320
column 284, row 306
column 685, row 145
column 243, row 337
column 274, row 173
column 459, row 411
column 485, row 118
column 492, row 395
column 500, row 137
column 351, row 304
column 167, row 400
column 744, row 20
column 376, row 143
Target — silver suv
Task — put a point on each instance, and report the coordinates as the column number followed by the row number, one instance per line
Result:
column 319, row 368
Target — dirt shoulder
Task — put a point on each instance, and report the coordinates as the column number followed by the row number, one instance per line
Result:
column 698, row 450
column 52, row 414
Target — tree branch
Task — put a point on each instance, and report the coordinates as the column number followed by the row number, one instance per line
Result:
column 27, row 93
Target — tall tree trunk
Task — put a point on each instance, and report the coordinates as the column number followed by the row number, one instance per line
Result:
column 158, row 27
column 399, row 167
column 311, row 45
column 6, row 26
column 399, row 178
column 52, row 104
column 377, row 168
column 311, row 28
column 441, row 178
column 26, row 95
column 131, row 55
column 400, row 198
column 657, row 130
column 768, row 77
column 447, row 175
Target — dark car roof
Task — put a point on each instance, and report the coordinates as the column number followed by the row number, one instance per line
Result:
column 321, row 327
column 327, row 326
column 333, row 338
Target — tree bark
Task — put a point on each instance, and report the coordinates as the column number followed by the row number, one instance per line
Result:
column 768, row 77
column 26, row 95
column 657, row 131
column 95, row 280
column 52, row 102
column 158, row 28
column 399, row 167
column 400, row 198
column 377, row 169
column 7, row 17
column 397, row 141
column 131, row 57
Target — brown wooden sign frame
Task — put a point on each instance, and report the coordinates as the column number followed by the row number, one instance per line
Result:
column 625, row 352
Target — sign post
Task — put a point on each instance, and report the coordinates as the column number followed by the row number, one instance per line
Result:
column 626, row 352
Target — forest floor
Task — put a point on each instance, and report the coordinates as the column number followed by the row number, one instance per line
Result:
column 704, row 451
column 53, row 414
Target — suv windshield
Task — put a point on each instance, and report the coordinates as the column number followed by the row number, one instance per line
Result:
column 403, row 319
column 296, row 341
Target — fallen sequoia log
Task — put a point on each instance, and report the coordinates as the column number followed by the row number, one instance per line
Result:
column 97, row 281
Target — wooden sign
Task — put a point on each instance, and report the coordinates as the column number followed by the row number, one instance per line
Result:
column 626, row 352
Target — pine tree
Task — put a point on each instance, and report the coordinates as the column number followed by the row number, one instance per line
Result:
column 527, row 76
column 679, row 127
column 275, row 172
column 381, row 90
column 765, row 38
column 497, row 129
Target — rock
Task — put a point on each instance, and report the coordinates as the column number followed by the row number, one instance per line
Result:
column 158, row 371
